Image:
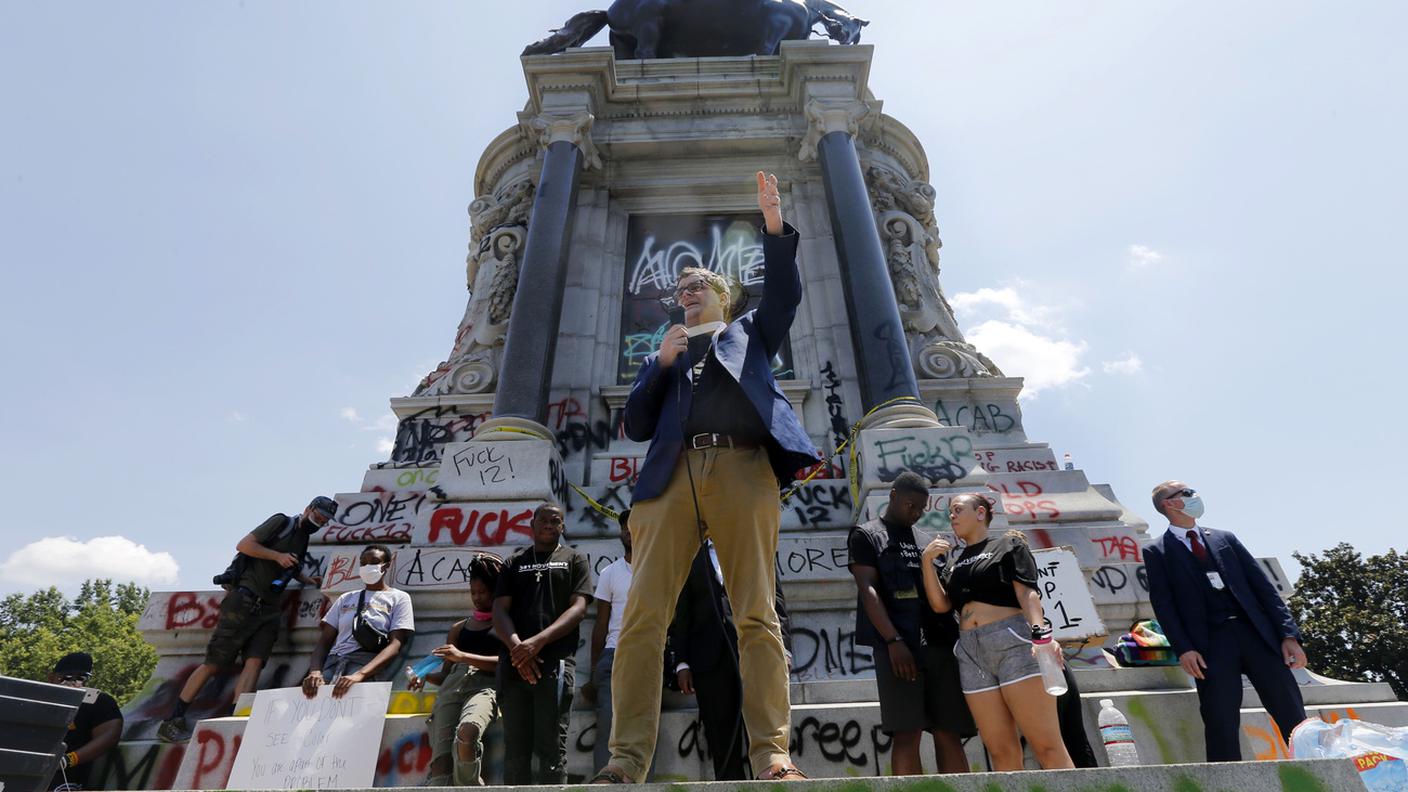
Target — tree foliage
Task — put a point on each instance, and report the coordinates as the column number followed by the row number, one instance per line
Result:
column 36, row 630
column 1352, row 611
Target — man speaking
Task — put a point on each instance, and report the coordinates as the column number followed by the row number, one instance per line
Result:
column 722, row 436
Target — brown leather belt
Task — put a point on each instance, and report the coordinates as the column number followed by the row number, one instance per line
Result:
column 711, row 440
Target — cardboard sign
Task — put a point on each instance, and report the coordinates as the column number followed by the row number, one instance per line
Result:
column 293, row 742
column 1065, row 596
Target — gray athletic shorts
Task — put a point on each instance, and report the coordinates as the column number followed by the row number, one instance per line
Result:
column 995, row 654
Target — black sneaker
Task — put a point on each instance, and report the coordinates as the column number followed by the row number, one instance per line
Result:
column 173, row 730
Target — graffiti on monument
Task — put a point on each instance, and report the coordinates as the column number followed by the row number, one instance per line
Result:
column 657, row 248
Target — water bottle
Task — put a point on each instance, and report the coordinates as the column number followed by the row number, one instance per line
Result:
column 1120, row 749
column 1051, row 675
column 427, row 666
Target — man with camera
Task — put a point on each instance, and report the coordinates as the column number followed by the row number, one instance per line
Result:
column 268, row 558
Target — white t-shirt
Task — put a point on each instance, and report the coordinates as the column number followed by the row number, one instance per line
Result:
column 611, row 586
column 388, row 609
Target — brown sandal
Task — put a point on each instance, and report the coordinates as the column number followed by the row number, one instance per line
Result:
column 783, row 773
column 610, row 775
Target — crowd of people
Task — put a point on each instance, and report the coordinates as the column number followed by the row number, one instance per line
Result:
column 954, row 621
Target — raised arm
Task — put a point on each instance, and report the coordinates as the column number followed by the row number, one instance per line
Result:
column 782, row 283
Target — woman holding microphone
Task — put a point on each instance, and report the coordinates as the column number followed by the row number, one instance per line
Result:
column 991, row 584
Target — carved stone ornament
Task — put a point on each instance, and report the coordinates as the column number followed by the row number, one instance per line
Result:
column 825, row 116
column 499, row 231
column 904, row 215
column 574, row 128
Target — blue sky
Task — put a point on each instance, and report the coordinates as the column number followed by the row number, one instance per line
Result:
column 231, row 231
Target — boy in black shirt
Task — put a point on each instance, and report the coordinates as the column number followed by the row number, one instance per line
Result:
column 539, row 604
column 96, row 727
column 915, row 671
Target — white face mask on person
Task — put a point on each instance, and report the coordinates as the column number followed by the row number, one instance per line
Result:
column 1193, row 506
column 372, row 573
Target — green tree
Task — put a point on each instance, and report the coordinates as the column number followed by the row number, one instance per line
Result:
column 1352, row 611
column 36, row 630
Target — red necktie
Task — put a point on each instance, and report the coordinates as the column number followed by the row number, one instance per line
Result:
column 1199, row 552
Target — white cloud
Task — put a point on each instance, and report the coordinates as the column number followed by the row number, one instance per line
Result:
column 65, row 562
column 235, row 416
column 1143, row 257
column 1013, row 306
column 1129, row 364
column 350, row 414
column 385, row 445
column 1045, row 362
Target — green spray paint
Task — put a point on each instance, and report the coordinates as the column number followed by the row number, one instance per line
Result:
column 1186, row 784
column 928, row 785
column 1298, row 779
column 1137, row 710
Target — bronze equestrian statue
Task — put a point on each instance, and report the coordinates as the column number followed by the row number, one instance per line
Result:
column 700, row 28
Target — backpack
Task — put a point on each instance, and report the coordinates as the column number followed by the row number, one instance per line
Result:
column 1144, row 645
column 232, row 574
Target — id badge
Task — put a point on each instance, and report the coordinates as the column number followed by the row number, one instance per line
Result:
column 1215, row 580
column 907, row 594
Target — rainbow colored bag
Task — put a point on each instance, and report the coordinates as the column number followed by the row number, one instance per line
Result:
column 1144, row 645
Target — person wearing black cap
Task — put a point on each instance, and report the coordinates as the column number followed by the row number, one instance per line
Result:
column 270, row 556
column 96, row 727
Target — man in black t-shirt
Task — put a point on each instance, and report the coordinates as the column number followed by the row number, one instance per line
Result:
column 541, row 598
column 272, row 554
column 915, row 672
column 96, row 727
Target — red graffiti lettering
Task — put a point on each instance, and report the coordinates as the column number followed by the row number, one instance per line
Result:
column 520, row 522
column 185, row 609
column 212, row 758
column 1122, row 548
column 1024, row 488
column 560, row 411
column 1036, row 510
column 341, row 569
column 451, row 518
column 623, row 469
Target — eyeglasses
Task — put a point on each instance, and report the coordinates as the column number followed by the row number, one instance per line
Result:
column 693, row 287
column 79, row 678
column 1183, row 493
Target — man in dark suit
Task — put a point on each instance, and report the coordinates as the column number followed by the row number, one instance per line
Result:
column 1224, row 619
column 704, row 656
column 722, row 435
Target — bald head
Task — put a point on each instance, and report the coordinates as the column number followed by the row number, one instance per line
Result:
column 1162, row 492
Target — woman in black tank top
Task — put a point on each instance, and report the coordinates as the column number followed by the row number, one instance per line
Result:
column 991, row 582
column 466, row 704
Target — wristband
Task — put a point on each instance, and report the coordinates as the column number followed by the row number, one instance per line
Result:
column 72, row 757
column 1040, row 633
column 896, row 639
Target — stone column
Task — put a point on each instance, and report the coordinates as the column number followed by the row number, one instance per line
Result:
column 525, row 375
column 882, row 358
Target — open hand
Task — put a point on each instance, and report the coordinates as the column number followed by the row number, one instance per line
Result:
column 770, row 202
column 345, row 683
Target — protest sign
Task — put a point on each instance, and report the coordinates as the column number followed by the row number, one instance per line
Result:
column 293, row 742
column 1065, row 596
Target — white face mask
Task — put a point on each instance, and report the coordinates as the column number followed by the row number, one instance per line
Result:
column 371, row 573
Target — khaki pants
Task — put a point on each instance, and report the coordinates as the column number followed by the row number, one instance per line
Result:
column 738, row 501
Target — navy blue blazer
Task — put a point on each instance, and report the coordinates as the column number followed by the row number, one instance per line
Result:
column 1178, row 589
column 660, row 397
